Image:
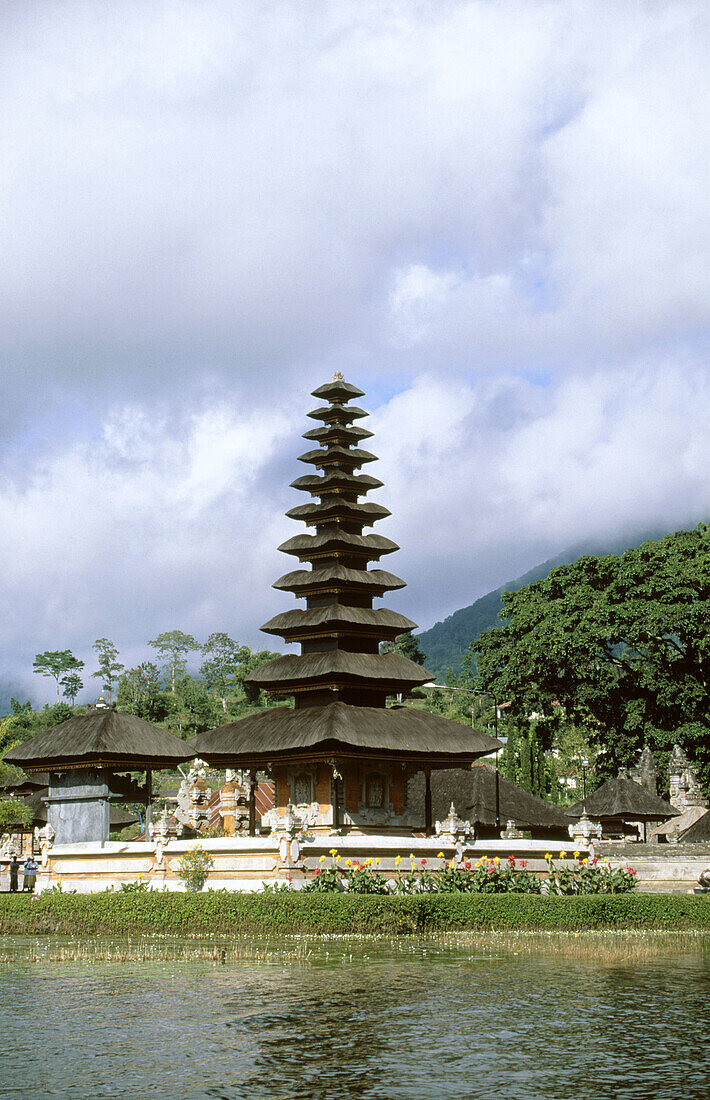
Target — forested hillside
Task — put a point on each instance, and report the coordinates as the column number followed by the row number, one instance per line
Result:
column 445, row 643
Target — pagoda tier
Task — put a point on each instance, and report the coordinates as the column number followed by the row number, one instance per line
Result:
column 339, row 631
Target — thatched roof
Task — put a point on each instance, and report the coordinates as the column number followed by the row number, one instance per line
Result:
column 339, row 578
column 102, row 738
column 348, row 458
column 698, row 832
column 335, row 480
column 399, row 732
column 340, row 509
column 678, row 826
column 473, row 792
column 388, row 672
column 307, row 546
column 337, row 390
column 623, row 798
column 298, row 622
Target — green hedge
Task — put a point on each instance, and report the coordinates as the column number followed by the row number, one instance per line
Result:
column 223, row 912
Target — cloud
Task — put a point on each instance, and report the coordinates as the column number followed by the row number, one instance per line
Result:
column 493, row 217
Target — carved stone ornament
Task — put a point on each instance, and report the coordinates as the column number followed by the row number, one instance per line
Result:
column 584, row 832
column 704, row 878
column 453, row 827
column 511, row 831
column 45, row 839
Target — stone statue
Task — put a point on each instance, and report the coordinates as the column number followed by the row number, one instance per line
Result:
column 454, row 828
column 45, row 839
column 644, row 771
column 193, row 797
column 685, row 791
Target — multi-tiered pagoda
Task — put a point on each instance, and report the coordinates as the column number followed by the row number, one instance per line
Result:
column 341, row 756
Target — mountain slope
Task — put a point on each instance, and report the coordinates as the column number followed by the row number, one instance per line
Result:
column 446, row 642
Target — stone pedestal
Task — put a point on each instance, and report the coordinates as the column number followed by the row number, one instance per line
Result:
column 78, row 806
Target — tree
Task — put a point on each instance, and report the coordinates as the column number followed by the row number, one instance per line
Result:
column 140, row 692
column 173, row 647
column 109, row 667
column 221, row 669
column 72, row 685
column 623, row 643
column 56, row 663
column 195, row 710
column 407, row 645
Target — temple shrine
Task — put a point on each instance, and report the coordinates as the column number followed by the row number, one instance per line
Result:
column 341, row 757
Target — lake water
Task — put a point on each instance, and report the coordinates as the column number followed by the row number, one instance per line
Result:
column 457, row 1018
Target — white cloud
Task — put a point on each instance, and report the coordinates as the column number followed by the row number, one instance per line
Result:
column 494, row 216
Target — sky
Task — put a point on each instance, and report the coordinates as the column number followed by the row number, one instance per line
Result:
column 490, row 215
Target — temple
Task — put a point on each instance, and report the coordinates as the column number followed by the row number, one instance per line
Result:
column 341, row 757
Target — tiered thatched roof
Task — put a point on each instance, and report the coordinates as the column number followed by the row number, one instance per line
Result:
column 340, row 681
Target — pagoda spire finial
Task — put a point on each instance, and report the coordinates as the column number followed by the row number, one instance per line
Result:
column 338, row 376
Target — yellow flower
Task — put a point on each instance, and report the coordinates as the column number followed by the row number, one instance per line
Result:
column 348, row 863
column 398, row 860
column 334, row 851
column 377, row 860
column 440, row 855
column 338, row 859
column 576, row 855
column 562, row 855
column 413, row 857
column 584, row 861
column 496, row 859
column 322, row 859
column 547, row 855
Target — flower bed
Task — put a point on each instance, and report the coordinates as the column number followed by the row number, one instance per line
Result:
column 484, row 876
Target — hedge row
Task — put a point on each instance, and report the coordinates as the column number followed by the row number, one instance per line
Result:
column 224, row 912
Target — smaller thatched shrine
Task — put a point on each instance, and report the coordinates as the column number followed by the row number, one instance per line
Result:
column 623, row 808
column 84, row 758
column 490, row 802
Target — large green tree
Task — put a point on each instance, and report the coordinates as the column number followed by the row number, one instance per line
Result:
column 623, row 643
column 173, row 647
column 223, row 666
column 56, row 663
column 109, row 666
column 407, row 645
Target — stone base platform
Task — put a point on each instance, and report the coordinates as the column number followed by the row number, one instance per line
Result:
column 249, row 863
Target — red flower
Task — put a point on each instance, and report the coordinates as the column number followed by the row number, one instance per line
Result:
column 423, row 862
column 511, row 861
column 595, row 860
column 467, row 864
column 317, row 871
column 523, row 863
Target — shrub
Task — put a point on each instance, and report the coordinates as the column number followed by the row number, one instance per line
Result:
column 194, row 867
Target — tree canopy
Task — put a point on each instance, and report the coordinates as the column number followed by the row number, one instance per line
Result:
column 56, row 663
column 621, row 642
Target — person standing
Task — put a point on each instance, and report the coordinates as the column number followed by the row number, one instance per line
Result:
column 29, row 875
column 14, row 868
